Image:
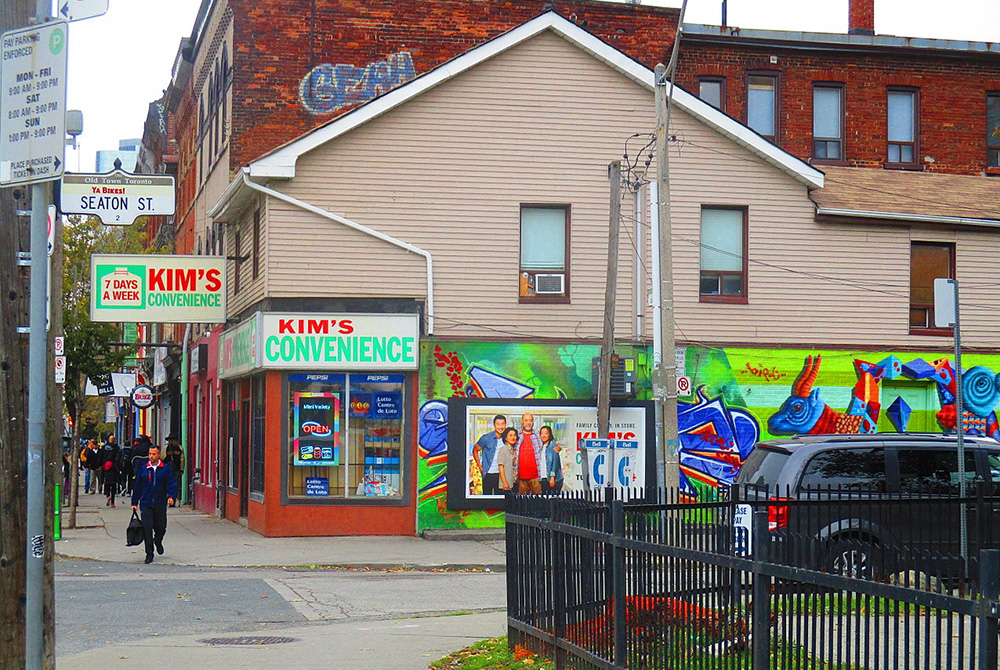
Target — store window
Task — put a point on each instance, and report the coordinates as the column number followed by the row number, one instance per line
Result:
column 257, row 395
column 345, row 436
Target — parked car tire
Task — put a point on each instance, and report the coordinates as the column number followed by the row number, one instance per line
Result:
column 853, row 557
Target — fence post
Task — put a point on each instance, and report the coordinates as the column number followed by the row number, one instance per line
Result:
column 760, row 621
column 557, row 546
column 989, row 622
column 513, row 574
column 618, row 575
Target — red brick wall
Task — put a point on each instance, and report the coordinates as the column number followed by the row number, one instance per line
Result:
column 273, row 50
column 952, row 127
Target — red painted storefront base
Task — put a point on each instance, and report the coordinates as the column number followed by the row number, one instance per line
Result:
column 271, row 518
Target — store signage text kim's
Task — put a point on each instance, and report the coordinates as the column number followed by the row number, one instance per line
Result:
column 340, row 341
column 157, row 289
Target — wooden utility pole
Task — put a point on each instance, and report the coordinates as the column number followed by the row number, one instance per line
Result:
column 665, row 371
column 610, row 291
column 13, row 395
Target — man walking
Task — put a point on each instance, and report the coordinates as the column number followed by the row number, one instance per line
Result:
column 530, row 457
column 155, row 488
column 485, row 454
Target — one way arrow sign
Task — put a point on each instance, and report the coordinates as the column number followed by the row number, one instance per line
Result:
column 77, row 10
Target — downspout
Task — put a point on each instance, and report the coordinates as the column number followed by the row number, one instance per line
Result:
column 364, row 229
column 184, row 412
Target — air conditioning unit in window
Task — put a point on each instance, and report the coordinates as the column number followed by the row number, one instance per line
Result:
column 550, row 284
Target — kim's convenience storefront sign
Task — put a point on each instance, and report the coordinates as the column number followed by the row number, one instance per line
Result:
column 157, row 288
column 324, row 342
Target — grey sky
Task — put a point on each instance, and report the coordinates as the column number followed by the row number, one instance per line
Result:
column 121, row 62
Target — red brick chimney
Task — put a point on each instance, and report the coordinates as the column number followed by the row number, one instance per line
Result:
column 861, row 17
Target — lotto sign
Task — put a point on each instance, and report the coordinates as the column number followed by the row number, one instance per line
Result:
column 33, row 103
column 158, row 289
column 118, row 197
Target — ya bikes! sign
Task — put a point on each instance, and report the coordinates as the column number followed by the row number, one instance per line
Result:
column 157, row 289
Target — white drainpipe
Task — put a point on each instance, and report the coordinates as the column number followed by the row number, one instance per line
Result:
column 364, row 229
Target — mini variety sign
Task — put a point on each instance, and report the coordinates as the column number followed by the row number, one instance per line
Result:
column 118, row 197
column 33, row 103
column 158, row 289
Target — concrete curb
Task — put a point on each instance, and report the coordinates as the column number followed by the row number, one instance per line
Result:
column 366, row 566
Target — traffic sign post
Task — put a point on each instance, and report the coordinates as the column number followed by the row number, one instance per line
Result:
column 118, row 197
column 33, row 103
column 77, row 10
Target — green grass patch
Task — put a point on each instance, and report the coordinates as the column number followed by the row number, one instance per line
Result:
column 491, row 654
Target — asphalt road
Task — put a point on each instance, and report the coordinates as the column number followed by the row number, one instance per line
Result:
column 101, row 605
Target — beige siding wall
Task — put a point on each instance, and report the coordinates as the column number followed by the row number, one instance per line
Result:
column 539, row 124
column 251, row 290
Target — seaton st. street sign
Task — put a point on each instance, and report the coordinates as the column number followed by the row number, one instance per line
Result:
column 33, row 103
column 118, row 197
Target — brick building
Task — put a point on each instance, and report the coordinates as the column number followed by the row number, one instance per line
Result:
column 856, row 99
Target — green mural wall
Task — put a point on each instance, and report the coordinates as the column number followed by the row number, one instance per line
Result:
column 490, row 370
column 738, row 397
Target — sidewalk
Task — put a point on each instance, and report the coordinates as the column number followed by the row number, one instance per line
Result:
column 196, row 539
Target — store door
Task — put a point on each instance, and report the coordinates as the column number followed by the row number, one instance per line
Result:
column 244, row 447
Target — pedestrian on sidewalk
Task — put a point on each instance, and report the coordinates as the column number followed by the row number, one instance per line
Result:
column 109, row 467
column 112, row 445
column 174, row 458
column 155, row 488
column 92, row 453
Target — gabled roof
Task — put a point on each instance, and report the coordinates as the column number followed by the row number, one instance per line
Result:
column 280, row 163
column 903, row 195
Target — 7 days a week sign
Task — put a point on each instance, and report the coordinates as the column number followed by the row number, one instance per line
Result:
column 319, row 342
column 157, row 289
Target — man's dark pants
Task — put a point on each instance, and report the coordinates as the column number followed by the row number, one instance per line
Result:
column 491, row 484
column 154, row 523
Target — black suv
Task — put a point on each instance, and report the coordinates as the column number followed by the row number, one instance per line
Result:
column 875, row 505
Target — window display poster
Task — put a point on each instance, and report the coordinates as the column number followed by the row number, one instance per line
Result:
column 317, row 487
column 560, row 425
column 317, row 428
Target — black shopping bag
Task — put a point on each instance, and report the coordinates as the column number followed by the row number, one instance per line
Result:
column 134, row 534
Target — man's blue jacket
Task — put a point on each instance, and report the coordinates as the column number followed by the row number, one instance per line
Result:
column 153, row 485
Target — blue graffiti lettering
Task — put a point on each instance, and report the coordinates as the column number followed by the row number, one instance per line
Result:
column 328, row 87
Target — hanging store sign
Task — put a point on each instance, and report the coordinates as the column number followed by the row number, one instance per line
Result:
column 340, row 341
column 157, row 289
column 118, row 198
column 142, row 396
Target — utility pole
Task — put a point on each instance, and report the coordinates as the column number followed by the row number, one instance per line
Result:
column 665, row 370
column 34, row 619
column 610, row 291
column 53, row 437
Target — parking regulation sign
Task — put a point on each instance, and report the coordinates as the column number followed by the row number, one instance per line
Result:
column 33, row 103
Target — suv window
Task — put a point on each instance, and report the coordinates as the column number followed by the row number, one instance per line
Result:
column 762, row 467
column 934, row 470
column 993, row 463
column 861, row 469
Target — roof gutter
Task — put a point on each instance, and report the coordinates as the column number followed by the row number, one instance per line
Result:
column 917, row 218
column 363, row 229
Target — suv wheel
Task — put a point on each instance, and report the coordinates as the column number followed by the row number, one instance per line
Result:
column 852, row 558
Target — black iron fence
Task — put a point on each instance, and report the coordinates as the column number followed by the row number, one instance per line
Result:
column 831, row 580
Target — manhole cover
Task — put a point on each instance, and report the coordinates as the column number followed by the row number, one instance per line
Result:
column 248, row 640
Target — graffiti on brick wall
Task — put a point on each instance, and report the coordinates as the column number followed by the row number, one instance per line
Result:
column 331, row 87
column 715, row 441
